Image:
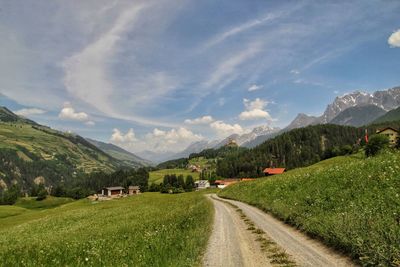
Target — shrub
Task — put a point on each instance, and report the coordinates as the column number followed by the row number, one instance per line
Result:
column 42, row 194
column 376, row 143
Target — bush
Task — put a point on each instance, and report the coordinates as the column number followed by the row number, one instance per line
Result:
column 10, row 196
column 42, row 194
column 376, row 143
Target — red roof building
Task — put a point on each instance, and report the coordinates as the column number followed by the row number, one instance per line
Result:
column 273, row 171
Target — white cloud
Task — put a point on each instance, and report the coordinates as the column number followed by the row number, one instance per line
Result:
column 29, row 111
column 69, row 113
column 157, row 141
column 90, row 123
column 255, row 110
column 394, row 39
column 200, row 120
column 224, row 129
column 254, row 87
column 118, row 137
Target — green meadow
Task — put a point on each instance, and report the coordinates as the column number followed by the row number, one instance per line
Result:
column 350, row 203
column 150, row 229
column 158, row 176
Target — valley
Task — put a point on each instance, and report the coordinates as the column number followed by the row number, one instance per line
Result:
column 199, row 133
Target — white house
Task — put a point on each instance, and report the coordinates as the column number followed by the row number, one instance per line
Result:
column 202, row 184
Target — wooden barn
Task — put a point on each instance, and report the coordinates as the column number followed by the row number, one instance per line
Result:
column 113, row 191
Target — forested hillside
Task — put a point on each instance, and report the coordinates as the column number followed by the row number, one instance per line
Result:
column 31, row 154
column 393, row 115
column 296, row 148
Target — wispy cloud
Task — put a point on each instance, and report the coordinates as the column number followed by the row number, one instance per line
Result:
column 26, row 112
column 200, row 120
column 254, row 87
column 239, row 29
column 227, row 70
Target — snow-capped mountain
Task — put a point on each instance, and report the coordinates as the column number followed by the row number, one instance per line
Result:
column 386, row 100
column 247, row 138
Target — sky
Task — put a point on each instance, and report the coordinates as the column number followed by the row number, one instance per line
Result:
column 159, row 75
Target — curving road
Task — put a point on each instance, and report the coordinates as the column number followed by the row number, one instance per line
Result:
column 232, row 245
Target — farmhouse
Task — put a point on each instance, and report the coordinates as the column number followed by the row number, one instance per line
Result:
column 274, row 171
column 202, row 184
column 133, row 190
column 114, row 191
column 391, row 133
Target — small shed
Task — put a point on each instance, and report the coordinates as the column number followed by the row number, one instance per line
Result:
column 113, row 191
column 133, row 190
column 274, row 171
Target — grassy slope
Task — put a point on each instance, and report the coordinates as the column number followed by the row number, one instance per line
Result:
column 146, row 230
column 352, row 204
column 158, row 176
column 46, row 146
column 49, row 202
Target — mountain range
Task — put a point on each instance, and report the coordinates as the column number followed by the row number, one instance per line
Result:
column 354, row 109
column 384, row 101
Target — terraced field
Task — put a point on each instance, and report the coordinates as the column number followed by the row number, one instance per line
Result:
column 49, row 145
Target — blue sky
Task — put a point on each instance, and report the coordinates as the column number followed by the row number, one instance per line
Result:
column 159, row 75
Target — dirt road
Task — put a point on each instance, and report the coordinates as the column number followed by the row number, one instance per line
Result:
column 232, row 245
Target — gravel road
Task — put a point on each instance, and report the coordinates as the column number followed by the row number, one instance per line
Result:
column 231, row 244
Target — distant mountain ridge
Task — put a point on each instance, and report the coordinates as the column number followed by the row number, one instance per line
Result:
column 358, row 115
column 121, row 154
column 385, row 100
column 393, row 115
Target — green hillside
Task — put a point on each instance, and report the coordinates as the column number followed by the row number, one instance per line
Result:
column 150, row 229
column 29, row 151
column 392, row 115
column 120, row 154
column 350, row 203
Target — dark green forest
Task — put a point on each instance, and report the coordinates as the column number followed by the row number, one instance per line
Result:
column 296, row 148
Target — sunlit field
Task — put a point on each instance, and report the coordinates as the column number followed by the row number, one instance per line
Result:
column 151, row 229
column 351, row 203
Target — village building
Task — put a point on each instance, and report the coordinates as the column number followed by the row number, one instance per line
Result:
column 202, row 184
column 274, row 171
column 133, row 190
column 114, row 191
column 391, row 133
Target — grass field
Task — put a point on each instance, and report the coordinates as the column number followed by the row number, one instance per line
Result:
column 351, row 203
column 158, row 176
column 49, row 202
column 151, row 229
